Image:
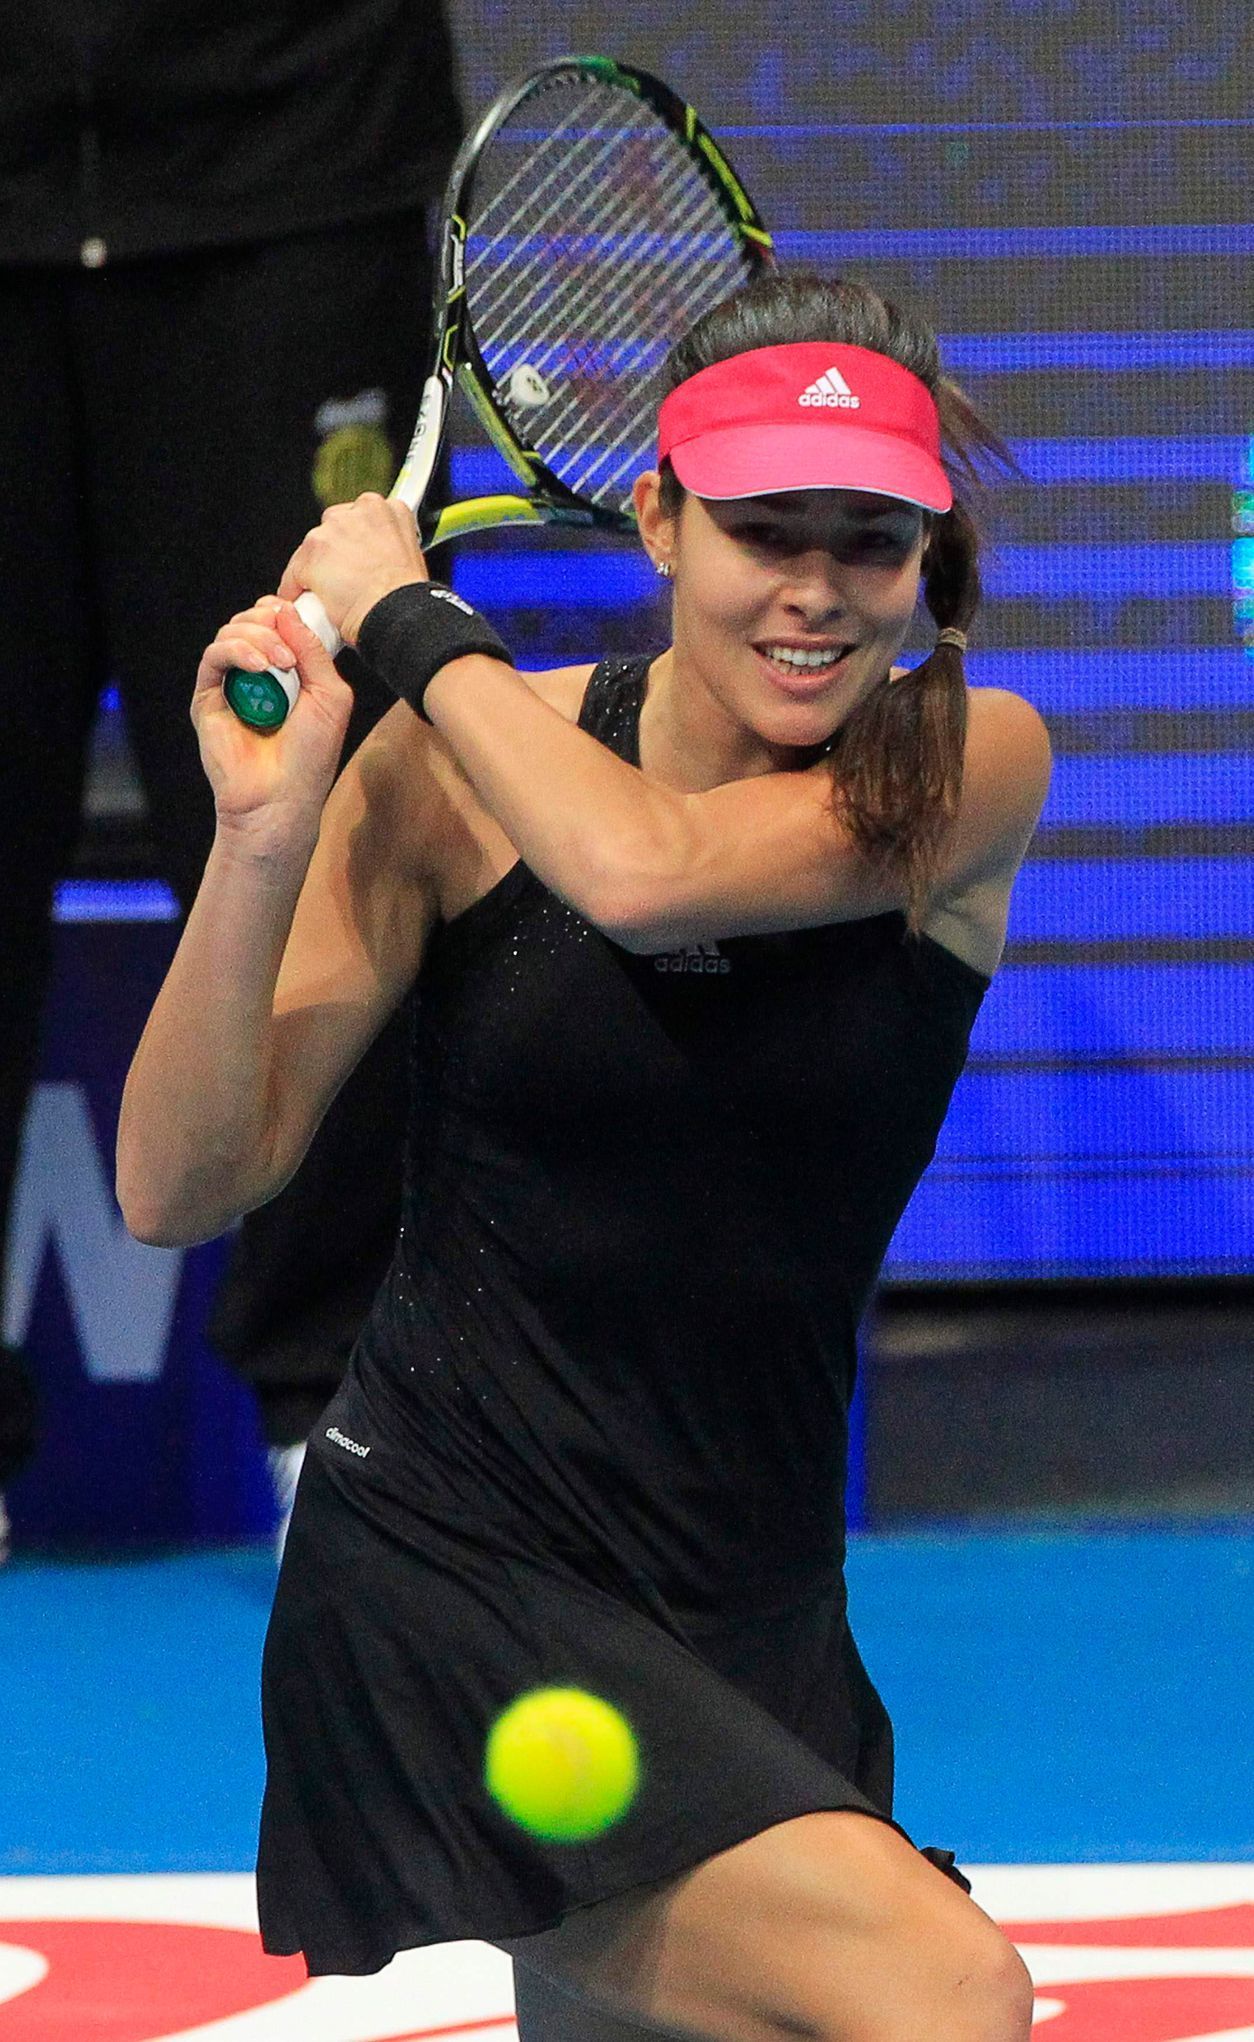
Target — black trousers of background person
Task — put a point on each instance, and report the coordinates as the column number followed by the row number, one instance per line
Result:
column 158, row 433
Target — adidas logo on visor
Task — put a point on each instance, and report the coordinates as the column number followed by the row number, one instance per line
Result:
column 831, row 392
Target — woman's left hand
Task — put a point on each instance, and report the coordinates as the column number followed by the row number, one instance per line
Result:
column 358, row 554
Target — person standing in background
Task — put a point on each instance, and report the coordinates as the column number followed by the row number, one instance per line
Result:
column 180, row 188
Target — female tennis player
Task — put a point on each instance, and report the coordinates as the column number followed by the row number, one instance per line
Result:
column 694, row 945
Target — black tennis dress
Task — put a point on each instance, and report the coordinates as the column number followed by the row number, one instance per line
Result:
column 594, row 1432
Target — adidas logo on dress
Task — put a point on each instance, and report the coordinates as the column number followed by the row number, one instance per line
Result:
column 831, row 392
column 703, row 957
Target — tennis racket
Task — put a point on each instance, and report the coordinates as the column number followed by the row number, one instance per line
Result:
column 589, row 220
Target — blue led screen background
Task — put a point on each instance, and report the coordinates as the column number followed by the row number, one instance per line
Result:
column 1065, row 190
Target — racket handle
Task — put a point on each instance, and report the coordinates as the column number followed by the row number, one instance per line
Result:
column 263, row 700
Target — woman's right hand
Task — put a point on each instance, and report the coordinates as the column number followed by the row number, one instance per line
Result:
column 277, row 781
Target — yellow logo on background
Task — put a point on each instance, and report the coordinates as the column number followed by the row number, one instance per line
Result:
column 356, row 457
column 355, row 453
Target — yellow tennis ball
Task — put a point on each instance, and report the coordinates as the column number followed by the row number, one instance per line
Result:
column 562, row 1763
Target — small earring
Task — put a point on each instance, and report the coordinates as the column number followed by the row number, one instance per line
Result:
column 664, row 568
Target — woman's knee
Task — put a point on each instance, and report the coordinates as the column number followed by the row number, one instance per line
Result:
column 901, row 1951
column 955, row 1977
column 1000, row 1997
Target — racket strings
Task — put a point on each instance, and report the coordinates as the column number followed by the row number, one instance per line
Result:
column 560, row 186
column 679, row 241
column 615, row 415
column 677, row 296
column 561, row 129
column 501, row 302
column 598, row 408
column 583, row 250
column 635, row 258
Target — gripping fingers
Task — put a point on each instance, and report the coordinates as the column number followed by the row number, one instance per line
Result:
column 249, row 642
column 254, row 648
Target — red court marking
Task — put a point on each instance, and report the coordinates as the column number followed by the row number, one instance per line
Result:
column 123, row 1981
column 1209, row 1928
column 1148, row 2009
column 462, row 2028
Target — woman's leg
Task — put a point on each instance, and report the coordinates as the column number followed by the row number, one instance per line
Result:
column 830, row 1927
column 558, row 2013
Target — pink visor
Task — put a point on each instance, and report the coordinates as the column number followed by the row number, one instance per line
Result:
column 808, row 415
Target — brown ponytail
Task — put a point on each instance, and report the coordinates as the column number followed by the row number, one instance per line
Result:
column 897, row 763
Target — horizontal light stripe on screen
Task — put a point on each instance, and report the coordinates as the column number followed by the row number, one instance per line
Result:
column 997, row 354
column 1218, row 458
column 1085, row 1173
column 1079, row 1012
column 1069, row 902
column 1181, row 567
column 1120, row 899
column 114, row 900
column 824, row 250
column 824, row 247
column 1061, row 1222
column 1008, row 354
column 510, row 577
column 1102, row 1116
column 781, row 131
column 1145, row 789
column 1114, row 678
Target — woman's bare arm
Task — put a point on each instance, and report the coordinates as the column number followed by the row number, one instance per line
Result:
column 305, row 933
column 649, row 864
column 655, row 867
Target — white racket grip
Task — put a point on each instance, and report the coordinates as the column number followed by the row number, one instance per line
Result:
column 311, row 613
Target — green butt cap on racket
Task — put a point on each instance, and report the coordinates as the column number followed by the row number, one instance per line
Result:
column 261, row 699
column 264, row 699
column 590, row 218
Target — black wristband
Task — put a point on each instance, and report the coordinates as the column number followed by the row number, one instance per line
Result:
column 415, row 630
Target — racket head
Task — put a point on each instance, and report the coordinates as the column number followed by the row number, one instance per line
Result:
column 590, row 219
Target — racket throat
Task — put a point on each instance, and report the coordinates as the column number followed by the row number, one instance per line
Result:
column 418, row 467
